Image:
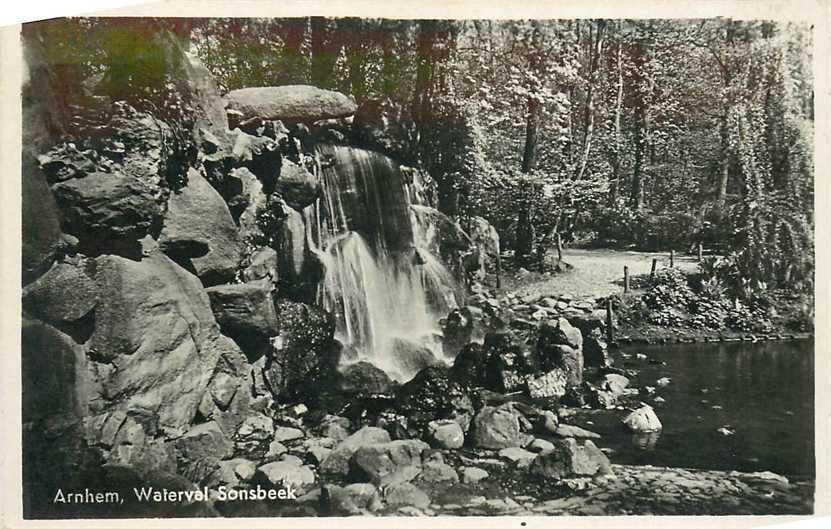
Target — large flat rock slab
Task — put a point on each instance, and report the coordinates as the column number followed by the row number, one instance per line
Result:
column 291, row 103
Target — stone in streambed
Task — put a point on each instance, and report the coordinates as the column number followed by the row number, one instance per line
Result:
column 446, row 433
column 338, row 460
column 378, row 460
column 643, row 419
column 406, row 493
column 351, row 499
column 568, row 458
column 473, row 474
column 496, row 428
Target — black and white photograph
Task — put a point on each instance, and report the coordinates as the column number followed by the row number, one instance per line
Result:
column 357, row 266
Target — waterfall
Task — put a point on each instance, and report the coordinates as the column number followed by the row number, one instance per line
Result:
column 383, row 282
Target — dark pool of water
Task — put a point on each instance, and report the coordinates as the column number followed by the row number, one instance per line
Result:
column 764, row 392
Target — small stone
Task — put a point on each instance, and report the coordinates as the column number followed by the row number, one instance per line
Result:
column 520, row 457
column 473, row 474
column 540, row 445
column 275, row 450
column 283, row 434
column 446, row 433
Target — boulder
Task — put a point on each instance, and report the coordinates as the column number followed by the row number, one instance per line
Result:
column 445, row 433
column 298, row 187
column 334, row 427
column 559, row 346
column 517, row 456
column 568, row 430
column 338, row 460
column 378, row 460
column 568, row 459
column 102, row 209
column 596, row 351
column 432, row 395
column 156, row 342
column 496, row 428
column 199, row 451
column 560, row 332
column 551, row 384
column 509, row 361
column 435, row 470
column 284, row 434
column 199, row 232
column 288, row 474
column 305, row 355
column 614, row 383
column 406, row 494
column 292, row 103
column 246, row 313
column 473, row 474
column 351, row 499
column 55, row 381
column 470, row 365
column 363, row 377
column 300, row 270
column 643, row 420
column 65, row 293
column 540, row 445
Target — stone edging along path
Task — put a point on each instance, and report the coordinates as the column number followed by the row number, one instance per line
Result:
column 752, row 338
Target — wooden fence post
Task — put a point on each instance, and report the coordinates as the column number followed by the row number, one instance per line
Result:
column 625, row 279
column 654, row 266
column 610, row 329
column 559, row 246
column 671, row 258
column 700, row 252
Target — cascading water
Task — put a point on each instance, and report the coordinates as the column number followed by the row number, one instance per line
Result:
column 385, row 286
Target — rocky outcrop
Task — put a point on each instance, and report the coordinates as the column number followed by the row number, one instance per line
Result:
column 199, row 232
column 293, row 103
column 113, row 193
column 156, row 342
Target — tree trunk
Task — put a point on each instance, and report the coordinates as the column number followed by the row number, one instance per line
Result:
column 525, row 236
column 595, row 51
column 615, row 186
column 636, row 195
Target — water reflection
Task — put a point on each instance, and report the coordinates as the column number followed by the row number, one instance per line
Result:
column 645, row 441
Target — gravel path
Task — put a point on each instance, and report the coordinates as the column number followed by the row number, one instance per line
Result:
column 595, row 273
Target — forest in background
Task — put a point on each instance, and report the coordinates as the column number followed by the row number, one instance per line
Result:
column 643, row 134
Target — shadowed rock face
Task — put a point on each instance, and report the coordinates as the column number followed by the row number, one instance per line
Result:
column 289, row 103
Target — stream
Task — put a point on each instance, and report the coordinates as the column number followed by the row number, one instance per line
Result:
column 761, row 393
